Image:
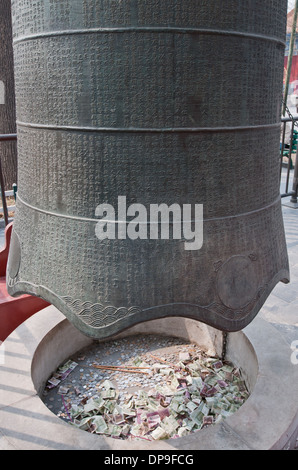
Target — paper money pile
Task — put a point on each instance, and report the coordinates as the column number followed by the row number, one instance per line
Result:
column 196, row 391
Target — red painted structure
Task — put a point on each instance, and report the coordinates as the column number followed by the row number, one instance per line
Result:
column 14, row 310
column 293, row 81
column 294, row 72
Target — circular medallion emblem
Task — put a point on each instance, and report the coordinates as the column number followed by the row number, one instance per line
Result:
column 14, row 257
column 237, row 282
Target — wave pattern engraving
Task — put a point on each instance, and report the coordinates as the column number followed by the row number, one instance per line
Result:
column 232, row 314
column 99, row 315
column 11, row 281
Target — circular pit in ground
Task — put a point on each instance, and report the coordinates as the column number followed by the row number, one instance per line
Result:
column 144, row 387
column 267, row 420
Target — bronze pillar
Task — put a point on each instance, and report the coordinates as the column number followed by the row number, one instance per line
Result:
column 123, row 106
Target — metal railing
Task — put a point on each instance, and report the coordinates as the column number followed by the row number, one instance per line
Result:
column 5, row 138
column 290, row 150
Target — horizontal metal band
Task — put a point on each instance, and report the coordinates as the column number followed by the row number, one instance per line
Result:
column 7, row 137
column 154, row 130
column 150, row 29
column 95, row 220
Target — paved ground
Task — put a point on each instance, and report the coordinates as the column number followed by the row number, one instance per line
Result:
column 281, row 307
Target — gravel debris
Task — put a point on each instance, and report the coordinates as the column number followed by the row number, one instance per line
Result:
column 144, row 387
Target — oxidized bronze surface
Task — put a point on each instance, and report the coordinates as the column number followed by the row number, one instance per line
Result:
column 153, row 102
